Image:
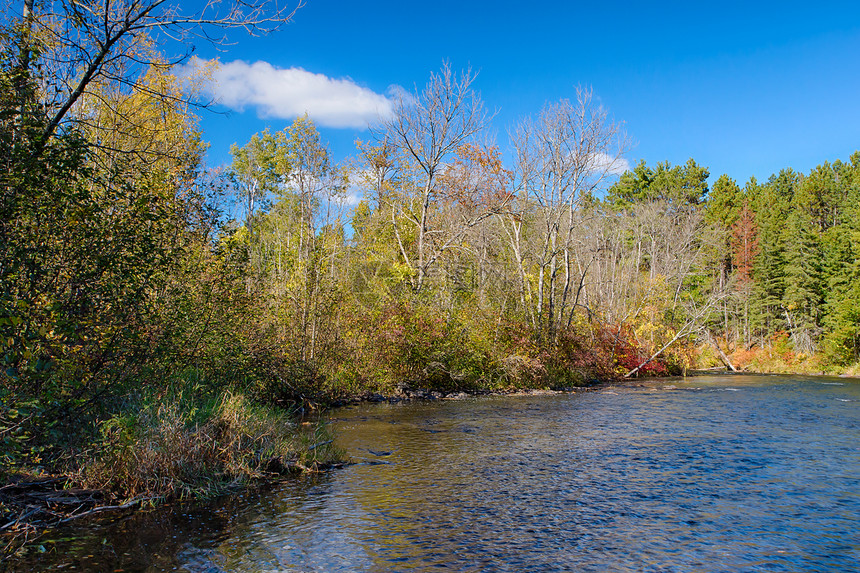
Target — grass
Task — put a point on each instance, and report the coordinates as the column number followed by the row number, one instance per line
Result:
column 182, row 446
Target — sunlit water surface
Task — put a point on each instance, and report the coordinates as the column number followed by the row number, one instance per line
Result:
column 732, row 473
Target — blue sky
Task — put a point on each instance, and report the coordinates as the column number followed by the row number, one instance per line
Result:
column 745, row 88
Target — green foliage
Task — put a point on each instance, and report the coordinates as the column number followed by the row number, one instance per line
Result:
column 802, row 299
column 180, row 446
column 678, row 185
column 842, row 341
column 769, row 267
column 724, row 203
column 255, row 171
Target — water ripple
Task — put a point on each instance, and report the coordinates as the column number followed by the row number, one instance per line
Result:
column 718, row 474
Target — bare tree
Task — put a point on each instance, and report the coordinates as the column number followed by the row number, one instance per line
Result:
column 563, row 156
column 427, row 128
column 82, row 43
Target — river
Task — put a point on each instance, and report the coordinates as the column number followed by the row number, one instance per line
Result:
column 712, row 473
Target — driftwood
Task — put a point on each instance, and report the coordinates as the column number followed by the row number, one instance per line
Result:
column 722, row 355
column 20, row 519
column 315, row 446
column 46, row 503
column 102, row 508
column 30, row 484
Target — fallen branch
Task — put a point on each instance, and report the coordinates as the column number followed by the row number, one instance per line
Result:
column 656, row 354
column 688, row 328
column 102, row 508
column 315, row 446
column 723, row 357
column 25, row 484
column 19, row 519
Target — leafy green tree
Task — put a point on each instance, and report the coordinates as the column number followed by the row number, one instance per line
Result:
column 100, row 200
column 255, row 172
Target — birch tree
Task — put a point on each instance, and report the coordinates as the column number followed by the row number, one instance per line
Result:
column 566, row 154
column 427, row 128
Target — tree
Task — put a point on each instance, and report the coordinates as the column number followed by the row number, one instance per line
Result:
column 771, row 203
column 744, row 250
column 678, row 186
column 315, row 183
column 427, row 128
column 802, row 299
column 88, row 43
column 103, row 198
column 377, row 267
column 722, row 210
column 724, row 203
column 564, row 156
column 255, row 172
column 472, row 187
column 744, row 244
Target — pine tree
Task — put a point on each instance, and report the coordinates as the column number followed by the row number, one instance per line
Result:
column 842, row 270
column 802, row 298
column 771, row 203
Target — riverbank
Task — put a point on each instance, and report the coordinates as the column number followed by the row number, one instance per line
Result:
column 32, row 505
column 143, row 473
column 175, row 450
column 186, row 446
column 780, row 358
column 182, row 445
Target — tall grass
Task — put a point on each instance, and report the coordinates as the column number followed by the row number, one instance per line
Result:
column 181, row 446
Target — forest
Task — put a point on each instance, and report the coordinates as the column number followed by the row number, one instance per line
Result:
column 163, row 323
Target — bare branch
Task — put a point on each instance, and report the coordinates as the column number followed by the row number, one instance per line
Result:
column 86, row 42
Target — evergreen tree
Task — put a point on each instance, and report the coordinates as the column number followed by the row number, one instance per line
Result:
column 802, row 298
column 721, row 211
column 725, row 202
column 771, row 204
column 841, row 245
column 679, row 186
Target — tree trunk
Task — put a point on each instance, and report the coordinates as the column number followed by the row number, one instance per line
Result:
column 722, row 355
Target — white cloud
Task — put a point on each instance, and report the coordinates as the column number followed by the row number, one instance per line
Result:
column 353, row 197
column 604, row 163
column 288, row 93
column 359, row 181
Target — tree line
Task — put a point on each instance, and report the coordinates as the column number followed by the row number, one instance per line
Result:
column 540, row 261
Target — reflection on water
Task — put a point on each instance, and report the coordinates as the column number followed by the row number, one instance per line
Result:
column 735, row 473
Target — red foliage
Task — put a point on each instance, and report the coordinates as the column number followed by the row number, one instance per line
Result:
column 744, row 243
column 607, row 351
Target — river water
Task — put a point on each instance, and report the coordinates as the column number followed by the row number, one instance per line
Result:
column 716, row 473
